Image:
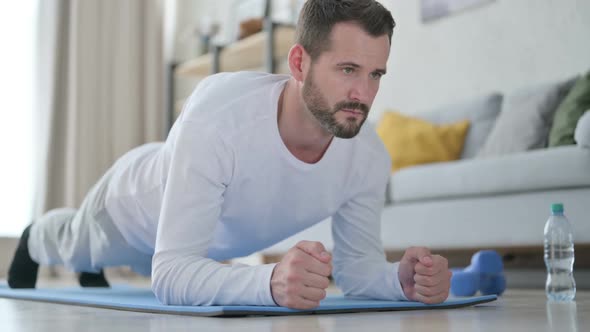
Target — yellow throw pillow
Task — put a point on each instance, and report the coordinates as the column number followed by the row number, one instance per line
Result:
column 411, row 141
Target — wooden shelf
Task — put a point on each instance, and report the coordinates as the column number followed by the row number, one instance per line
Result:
column 247, row 53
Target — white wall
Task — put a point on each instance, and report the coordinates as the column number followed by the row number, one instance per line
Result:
column 501, row 46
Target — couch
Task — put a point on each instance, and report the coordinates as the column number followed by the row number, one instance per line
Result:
column 498, row 193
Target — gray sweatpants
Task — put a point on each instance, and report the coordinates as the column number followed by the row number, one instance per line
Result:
column 84, row 240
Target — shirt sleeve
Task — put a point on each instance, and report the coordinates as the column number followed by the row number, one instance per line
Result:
column 360, row 266
column 201, row 167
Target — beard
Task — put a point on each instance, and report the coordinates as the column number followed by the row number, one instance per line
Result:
column 326, row 116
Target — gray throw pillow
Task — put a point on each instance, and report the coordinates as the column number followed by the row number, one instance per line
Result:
column 582, row 134
column 525, row 119
column 481, row 113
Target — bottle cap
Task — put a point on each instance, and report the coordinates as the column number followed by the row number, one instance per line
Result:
column 557, row 208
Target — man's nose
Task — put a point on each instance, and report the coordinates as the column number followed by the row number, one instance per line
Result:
column 360, row 91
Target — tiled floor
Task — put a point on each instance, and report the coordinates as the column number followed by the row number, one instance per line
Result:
column 517, row 310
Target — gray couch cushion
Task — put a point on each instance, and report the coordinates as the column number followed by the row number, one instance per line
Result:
column 525, row 119
column 582, row 134
column 481, row 113
column 555, row 168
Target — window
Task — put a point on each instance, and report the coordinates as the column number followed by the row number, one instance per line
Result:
column 17, row 35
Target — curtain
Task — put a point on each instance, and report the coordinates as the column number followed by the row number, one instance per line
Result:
column 100, row 91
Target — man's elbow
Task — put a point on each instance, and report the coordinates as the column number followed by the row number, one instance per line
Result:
column 349, row 282
column 162, row 283
column 172, row 282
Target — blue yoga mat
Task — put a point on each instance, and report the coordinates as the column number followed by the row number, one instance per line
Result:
column 130, row 298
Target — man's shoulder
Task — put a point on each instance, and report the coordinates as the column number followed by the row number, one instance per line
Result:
column 234, row 88
column 230, row 94
column 236, row 82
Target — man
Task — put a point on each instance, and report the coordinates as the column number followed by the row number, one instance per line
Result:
column 253, row 159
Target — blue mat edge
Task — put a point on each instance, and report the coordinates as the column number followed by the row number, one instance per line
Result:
column 325, row 308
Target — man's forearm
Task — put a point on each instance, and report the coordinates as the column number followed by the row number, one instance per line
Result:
column 184, row 279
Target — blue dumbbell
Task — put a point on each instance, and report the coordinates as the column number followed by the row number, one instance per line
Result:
column 484, row 274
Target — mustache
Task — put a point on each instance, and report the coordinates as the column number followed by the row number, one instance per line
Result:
column 354, row 105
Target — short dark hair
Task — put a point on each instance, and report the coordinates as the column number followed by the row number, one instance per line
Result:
column 318, row 17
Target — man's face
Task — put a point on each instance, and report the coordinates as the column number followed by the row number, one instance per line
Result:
column 341, row 83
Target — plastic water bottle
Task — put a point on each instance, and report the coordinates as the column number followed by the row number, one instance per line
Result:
column 559, row 256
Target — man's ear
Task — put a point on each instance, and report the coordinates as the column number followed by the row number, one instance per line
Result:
column 298, row 59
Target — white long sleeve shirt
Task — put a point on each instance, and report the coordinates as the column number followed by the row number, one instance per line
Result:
column 224, row 185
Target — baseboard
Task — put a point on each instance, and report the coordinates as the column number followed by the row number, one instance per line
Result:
column 526, row 257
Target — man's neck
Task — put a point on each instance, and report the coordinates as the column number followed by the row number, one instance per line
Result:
column 301, row 133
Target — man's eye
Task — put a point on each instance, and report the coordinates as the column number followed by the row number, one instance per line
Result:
column 347, row 70
column 376, row 76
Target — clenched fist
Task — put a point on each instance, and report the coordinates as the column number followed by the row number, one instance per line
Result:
column 300, row 279
column 424, row 277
